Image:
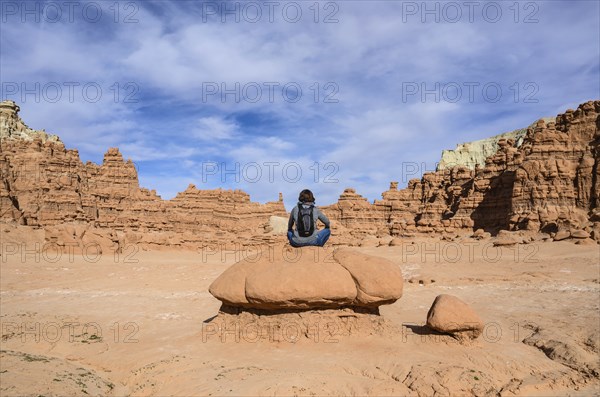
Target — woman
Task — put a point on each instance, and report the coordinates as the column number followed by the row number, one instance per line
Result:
column 305, row 216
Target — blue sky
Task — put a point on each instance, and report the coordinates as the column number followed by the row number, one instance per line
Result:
column 345, row 93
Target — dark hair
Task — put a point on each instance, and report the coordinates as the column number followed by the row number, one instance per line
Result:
column 306, row 196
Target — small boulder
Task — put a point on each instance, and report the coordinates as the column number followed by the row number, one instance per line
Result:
column 451, row 315
column 519, row 236
column 580, row 234
column 562, row 235
column 481, row 234
column 278, row 224
column 504, row 241
column 541, row 237
column 396, row 242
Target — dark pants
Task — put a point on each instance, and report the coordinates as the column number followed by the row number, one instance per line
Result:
column 322, row 237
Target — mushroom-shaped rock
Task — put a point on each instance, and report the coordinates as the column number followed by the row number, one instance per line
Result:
column 378, row 281
column 309, row 278
column 451, row 315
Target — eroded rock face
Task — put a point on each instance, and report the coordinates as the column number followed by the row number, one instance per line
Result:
column 12, row 127
column 473, row 154
column 44, row 185
column 548, row 183
column 451, row 315
column 309, row 278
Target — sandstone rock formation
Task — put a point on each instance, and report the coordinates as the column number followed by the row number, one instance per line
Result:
column 45, row 185
column 451, row 315
column 472, row 154
column 550, row 182
column 277, row 225
column 311, row 292
column 562, row 235
column 12, row 127
column 309, row 278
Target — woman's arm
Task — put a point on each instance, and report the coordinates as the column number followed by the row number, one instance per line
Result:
column 291, row 221
column 324, row 219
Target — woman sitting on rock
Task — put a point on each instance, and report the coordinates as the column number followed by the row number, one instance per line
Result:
column 305, row 216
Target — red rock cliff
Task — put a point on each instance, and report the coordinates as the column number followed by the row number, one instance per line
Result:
column 550, row 182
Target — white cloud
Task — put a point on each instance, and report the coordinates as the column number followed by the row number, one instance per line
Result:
column 215, row 128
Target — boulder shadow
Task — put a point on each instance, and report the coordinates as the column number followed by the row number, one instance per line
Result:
column 208, row 320
column 423, row 330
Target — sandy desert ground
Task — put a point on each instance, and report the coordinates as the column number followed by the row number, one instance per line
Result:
column 136, row 325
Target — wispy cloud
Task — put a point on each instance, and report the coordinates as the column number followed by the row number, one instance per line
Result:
column 215, row 129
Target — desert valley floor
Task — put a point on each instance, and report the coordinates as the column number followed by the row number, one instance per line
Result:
column 136, row 324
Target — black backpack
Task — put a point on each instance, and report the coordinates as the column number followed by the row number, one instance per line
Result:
column 306, row 223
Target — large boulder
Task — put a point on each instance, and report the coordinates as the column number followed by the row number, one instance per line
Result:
column 451, row 315
column 309, row 278
column 277, row 225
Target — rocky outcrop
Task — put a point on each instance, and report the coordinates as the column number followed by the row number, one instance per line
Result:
column 45, row 185
column 556, row 182
column 472, row 154
column 12, row 127
column 356, row 217
column 550, row 182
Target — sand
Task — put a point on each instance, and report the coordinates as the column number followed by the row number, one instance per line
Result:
column 137, row 324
